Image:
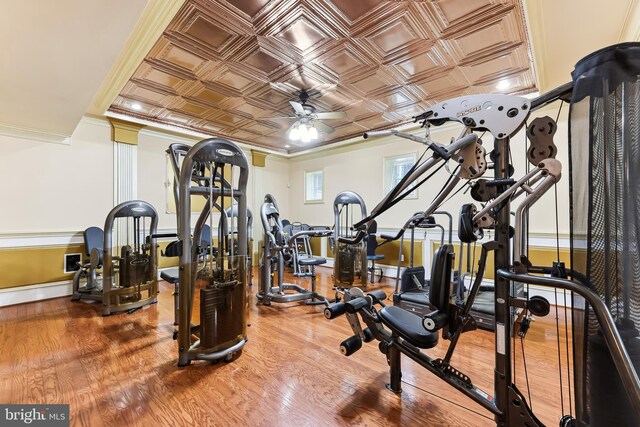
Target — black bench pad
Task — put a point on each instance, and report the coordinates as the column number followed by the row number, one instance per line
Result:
column 408, row 326
column 415, row 297
column 170, row 276
column 312, row 260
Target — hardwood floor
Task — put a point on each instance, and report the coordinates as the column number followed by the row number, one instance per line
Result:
column 121, row 370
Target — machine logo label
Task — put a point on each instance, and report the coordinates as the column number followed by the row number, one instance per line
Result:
column 468, row 111
column 225, row 152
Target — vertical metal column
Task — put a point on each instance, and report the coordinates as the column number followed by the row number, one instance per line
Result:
column 502, row 372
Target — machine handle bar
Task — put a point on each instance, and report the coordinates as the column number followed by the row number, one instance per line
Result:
column 357, row 239
column 379, row 133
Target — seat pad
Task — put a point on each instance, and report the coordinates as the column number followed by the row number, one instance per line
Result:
column 408, row 326
column 375, row 257
column 170, row 276
column 415, row 297
column 312, row 260
column 484, row 303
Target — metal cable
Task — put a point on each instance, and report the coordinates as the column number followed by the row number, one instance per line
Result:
column 526, row 374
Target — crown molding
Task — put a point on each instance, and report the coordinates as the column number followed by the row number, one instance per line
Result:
column 152, row 22
column 34, row 134
column 533, row 16
column 176, row 133
column 630, row 30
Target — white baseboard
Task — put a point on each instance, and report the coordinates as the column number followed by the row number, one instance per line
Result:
column 32, row 293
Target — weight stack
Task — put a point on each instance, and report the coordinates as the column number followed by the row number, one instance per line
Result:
column 222, row 313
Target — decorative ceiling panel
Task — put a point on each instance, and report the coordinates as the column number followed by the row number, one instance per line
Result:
column 230, row 68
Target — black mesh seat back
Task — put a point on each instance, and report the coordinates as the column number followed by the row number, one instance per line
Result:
column 287, row 230
column 93, row 239
column 372, row 244
column 205, row 236
column 412, row 279
column 440, row 283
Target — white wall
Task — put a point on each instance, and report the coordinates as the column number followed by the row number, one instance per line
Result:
column 359, row 168
column 51, row 187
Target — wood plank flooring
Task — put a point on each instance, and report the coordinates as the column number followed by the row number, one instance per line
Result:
column 121, row 370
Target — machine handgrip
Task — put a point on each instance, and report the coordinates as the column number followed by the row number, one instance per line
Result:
column 163, row 235
column 310, row 233
column 378, row 133
column 356, row 304
column 357, row 239
column 378, row 295
column 335, row 310
column 391, row 237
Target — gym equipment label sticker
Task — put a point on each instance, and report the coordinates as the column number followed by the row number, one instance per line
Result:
column 500, row 339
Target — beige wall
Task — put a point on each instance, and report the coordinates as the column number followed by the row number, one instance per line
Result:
column 51, row 187
column 360, row 168
column 153, row 174
column 54, row 188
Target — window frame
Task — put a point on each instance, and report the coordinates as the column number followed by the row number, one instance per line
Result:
column 307, row 174
column 388, row 163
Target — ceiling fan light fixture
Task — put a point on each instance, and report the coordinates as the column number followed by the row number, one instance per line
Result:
column 294, row 135
column 313, row 132
column 304, row 133
column 503, row 84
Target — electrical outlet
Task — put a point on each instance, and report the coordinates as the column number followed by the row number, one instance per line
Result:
column 402, row 258
column 71, row 263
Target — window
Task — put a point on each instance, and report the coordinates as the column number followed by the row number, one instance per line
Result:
column 313, row 183
column 395, row 167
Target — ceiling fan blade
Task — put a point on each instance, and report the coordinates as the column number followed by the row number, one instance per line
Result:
column 331, row 115
column 322, row 127
column 297, row 107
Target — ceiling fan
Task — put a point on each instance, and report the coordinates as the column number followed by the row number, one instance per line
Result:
column 309, row 123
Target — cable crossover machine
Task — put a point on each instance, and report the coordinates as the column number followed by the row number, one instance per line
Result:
column 598, row 375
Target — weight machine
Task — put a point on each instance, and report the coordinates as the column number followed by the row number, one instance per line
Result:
column 602, row 281
column 275, row 246
column 349, row 258
column 129, row 276
column 212, row 284
column 412, row 290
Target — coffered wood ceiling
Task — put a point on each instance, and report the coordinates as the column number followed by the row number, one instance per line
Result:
column 226, row 68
